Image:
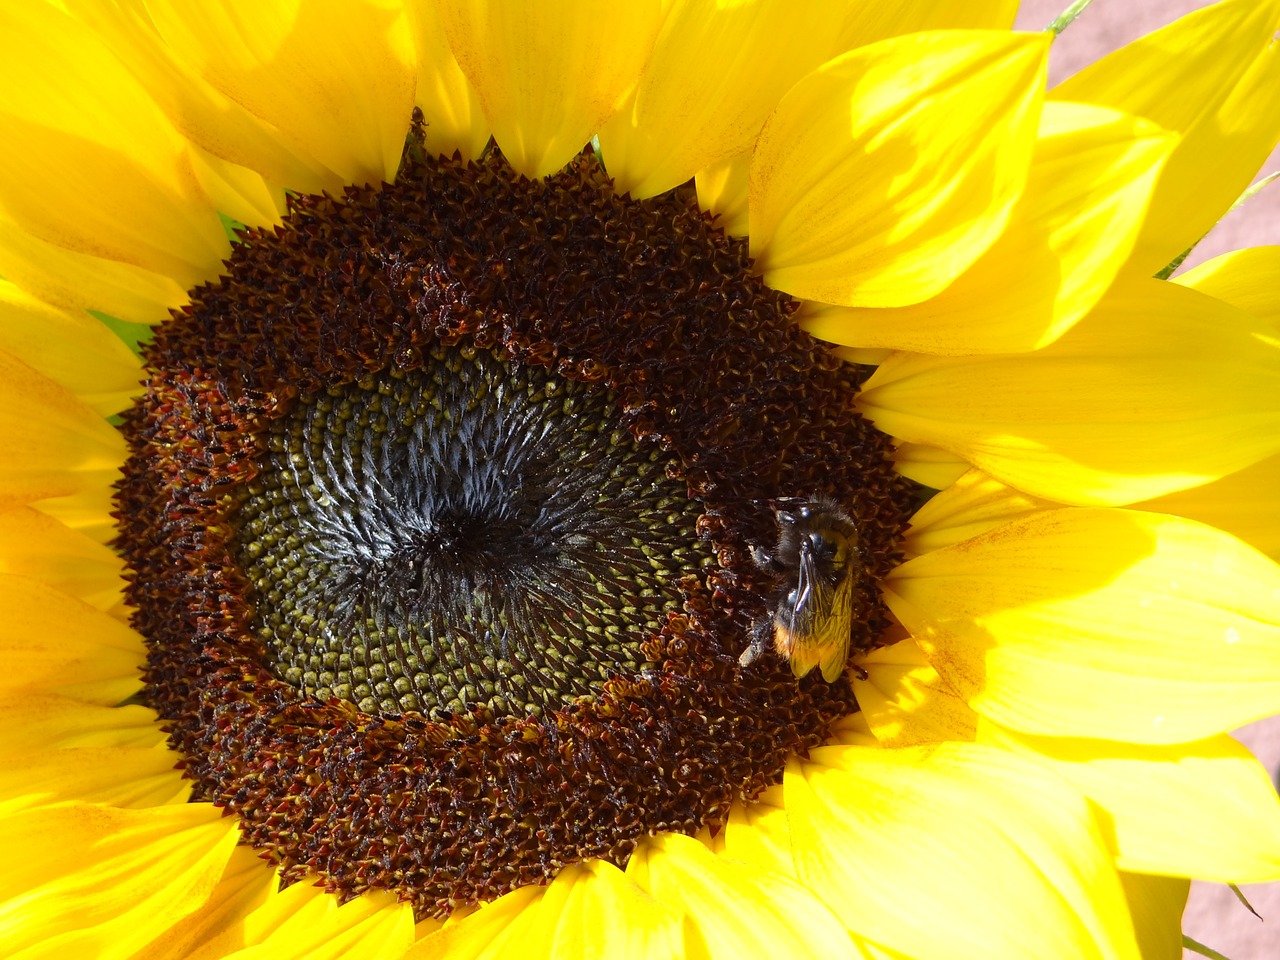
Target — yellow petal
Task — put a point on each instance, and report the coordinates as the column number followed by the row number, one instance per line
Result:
column 1156, row 905
column 222, row 127
column 972, row 505
column 304, row 921
column 1150, row 794
column 485, row 933
column 1244, row 279
column 868, row 22
column 1211, row 78
column 237, row 191
column 120, row 776
column 1108, row 624
column 73, row 349
column 1242, row 503
column 905, row 702
column 716, row 73
column 946, row 832
column 76, row 281
column 80, row 880
column 92, row 164
column 44, row 721
column 886, row 172
column 215, row 930
column 1091, row 179
column 87, row 512
column 54, row 643
column 450, row 106
column 1158, row 389
column 722, row 190
column 733, row 910
column 335, row 78
column 33, row 544
column 53, row 445
column 758, row 833
column 929, row 465
column 549, row 74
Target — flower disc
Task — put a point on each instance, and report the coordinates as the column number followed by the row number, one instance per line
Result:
column 440, row 515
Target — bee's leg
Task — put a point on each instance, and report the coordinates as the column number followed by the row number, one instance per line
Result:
column 764, row 559
column 760, row 635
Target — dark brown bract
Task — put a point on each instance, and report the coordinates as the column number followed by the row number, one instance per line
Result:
column 404, row 667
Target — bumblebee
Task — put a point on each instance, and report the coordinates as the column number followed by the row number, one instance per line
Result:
column 816, row 562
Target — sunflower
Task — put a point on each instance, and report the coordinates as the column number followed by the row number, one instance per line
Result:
column 428, row 585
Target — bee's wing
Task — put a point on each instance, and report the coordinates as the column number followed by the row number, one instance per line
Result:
column 821, row 622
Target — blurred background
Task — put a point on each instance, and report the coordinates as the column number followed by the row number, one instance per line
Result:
column 1214, row 916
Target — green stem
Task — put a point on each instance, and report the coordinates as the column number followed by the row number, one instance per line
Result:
column 1063, row 20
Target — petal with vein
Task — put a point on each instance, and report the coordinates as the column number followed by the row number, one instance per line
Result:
column 53, row 444
column 887, row 172
column 731, row 909
column 550, row 74
column 906, row 702
column 1158, row 389
column 334, row 78
column 945, row 832
column 91, row 162
column 450, row 105
column 46, row 721
column 82, row 880
column 1213, row 77
column 1205, row 809
column 1092, row 174
column 722, row 190
column 1100, row 623
column 305, row 921
column 35, row 545
column 929, row 465
column 716, row 72
column 54, row 643
column 71, row 348
column 131, row 777
column 972, row 505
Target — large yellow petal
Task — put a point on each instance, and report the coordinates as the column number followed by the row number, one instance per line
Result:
column 972, row 505
column 54, row 643
column 1244, row 279
column 71, row 348
column 944, row 833
column 716, row 73
column 1211, row 78
column 129, row 777
column 87, row 512
column 53, row 445
column 91, row 163
column 35, row 545
column 1242, row 503
column 216, row 929
column 77, row 281
column 550, row 74
column 1101, row 623
column 1158, row 389
column 733, row 910
column 46, row 721
column 1091, row 178
column 335, row 78
column 304, row 921
column 885, row 173
column 929, row 465
column 450, row 105
column 1149, row 794
column 493, row 930
column 1156, row 905
column 206, row 116
column 81, row 880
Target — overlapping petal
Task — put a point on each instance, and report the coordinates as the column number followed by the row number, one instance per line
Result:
column 887, row 172
column 1092, row 174
column 1213, row 77
column 334, row 79
column 88, row 880
column 1150, row 793
column 79, row 128
column 1105, row 624
column 1159, row 388
column 870, row 824
column 549, row 75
